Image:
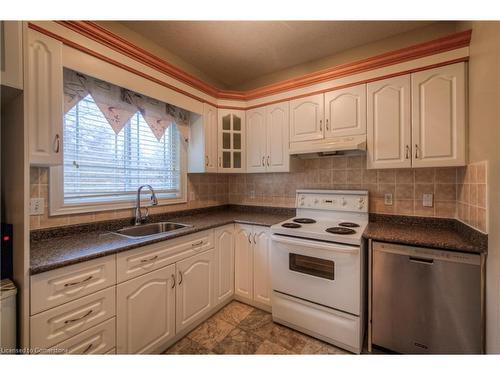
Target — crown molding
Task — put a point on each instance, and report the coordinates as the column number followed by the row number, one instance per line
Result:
column 105, row 37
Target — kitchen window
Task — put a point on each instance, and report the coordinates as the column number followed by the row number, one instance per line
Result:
column 105, row 161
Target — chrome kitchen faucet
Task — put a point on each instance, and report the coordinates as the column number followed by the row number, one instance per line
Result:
column 138, row 213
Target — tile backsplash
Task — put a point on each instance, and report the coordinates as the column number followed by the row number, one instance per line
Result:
column 407, row 186
column 458, row 192
column 472, row 195
column 203, row 190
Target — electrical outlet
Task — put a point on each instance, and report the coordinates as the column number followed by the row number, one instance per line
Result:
column 427, row 200
column 388, row 199
column 36, row 206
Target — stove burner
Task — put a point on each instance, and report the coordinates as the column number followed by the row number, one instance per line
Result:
column 303, row 220
column 348, row 224
column 340, row 230
column 291, row 225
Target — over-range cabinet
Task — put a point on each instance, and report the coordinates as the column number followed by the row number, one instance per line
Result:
column 426, row 301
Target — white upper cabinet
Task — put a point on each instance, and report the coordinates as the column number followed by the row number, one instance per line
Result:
column 11, row 61
column 389, row 127
column 267, row 139
column 438, row 111
column 306, row 118
column 256, row 140
column 210, row 136
column 44, row 87
column 345, row 112
column 202, row 154
column 277, row 135
column 231, row 141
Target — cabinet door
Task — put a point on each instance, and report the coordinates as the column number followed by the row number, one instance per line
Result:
column 278, row 127
column 11, row 63
column 231, row 141
column 224, row 263
column 210, row 127
column 243, row 261
column 195, row 288
column 438, row 111
column 45, row 99
column 146, row 312
column 261, row 265
column 345, row 112
column 256, row 140
column 388, row 123
column 306, row 118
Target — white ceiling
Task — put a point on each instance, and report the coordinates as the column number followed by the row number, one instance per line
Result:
column 234, row 52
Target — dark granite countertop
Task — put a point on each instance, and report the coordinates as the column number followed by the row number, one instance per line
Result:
column 446, row 234
column 60, row 247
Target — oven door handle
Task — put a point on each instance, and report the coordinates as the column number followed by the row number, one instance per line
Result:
column 316, row 245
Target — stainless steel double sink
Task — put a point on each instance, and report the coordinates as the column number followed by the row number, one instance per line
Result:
column 150, row 230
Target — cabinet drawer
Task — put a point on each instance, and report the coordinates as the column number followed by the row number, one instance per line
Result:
column 96, row 340
column 60, row 323
column 139, row 261
column 53, row 288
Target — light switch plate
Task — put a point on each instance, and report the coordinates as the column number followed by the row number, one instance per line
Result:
column 36, row 206
column 388, row 199
column 427, row 200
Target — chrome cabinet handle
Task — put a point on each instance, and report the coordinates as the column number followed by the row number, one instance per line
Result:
column 180, row 277
column 220, row 161
column 250, row 238
column 407, row 155
column 77, row 319
column 268, row 160
column 87, row 348
column 197, row 243
column 327, row 127
column 320, row 125
column 206, row 161
column 416, row 151
column 254, row 241
column 78, row 282
column 263, row 163
column 149, row 259
column 173, row 281
column 57, row 144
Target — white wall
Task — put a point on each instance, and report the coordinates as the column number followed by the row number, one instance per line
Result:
column 484, row 142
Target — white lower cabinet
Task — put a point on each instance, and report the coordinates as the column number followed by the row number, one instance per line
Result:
column 252, row 265
column 146, row 311
column 243, row 263
column 261, row 266
column 195, row 290
column 96, row 340
column 224, row 263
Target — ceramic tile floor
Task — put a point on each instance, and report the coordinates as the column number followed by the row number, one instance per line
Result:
column 242, row 329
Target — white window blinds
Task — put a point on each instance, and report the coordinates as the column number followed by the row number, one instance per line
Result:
column 100, row 165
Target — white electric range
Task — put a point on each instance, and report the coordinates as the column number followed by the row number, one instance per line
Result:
column 318, row 263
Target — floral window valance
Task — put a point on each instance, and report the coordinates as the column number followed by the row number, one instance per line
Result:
column 118, row 105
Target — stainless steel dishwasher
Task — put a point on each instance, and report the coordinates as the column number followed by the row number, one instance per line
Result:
column 426, row 300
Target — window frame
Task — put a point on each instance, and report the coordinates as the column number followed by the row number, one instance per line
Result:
column 57, row 205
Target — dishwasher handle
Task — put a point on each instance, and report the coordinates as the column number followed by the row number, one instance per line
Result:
column 421, row 260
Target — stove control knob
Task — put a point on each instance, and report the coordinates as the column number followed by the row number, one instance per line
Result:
column 361, row 203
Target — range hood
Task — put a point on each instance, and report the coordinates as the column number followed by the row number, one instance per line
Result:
column 353, row 144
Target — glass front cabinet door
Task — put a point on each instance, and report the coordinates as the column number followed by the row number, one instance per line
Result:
column 231, row 143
